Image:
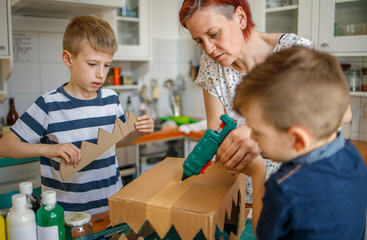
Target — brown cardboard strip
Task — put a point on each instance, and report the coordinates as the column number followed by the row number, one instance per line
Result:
column 106, row 140
column 158, row 209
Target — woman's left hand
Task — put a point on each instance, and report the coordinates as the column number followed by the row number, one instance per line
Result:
column 145, row 124
column 237, row 150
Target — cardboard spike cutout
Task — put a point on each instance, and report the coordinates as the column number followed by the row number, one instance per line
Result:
column 126, row 133
column 200, row 203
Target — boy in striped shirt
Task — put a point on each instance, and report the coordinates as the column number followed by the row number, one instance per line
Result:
column 55, row 125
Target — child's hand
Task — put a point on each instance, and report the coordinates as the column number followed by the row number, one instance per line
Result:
column 145, row 124
column 67, row 151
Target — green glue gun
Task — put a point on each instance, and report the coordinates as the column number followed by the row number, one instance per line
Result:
column 200, row 157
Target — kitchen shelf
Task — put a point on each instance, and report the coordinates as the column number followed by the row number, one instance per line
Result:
column 282, row 9
column 127, row 19
column 123, row 87
column 343, row 1
column 358, row 94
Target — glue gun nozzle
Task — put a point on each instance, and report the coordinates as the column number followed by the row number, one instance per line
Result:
column 180, row 182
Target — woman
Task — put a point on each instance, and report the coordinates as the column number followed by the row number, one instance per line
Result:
column 232, row 47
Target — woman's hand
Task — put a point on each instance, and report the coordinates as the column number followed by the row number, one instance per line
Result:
column 237, row 150
column 67, row 151
column 145, row 124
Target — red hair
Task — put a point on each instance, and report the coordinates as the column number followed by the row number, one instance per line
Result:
column 189, row 7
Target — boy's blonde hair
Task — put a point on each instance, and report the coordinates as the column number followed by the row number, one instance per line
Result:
column 93, row 29
column 297, row 87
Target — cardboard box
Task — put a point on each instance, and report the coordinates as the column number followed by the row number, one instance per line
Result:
column 199, row 203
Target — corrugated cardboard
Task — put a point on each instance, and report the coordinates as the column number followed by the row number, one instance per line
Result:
column 126, row 134
column 199, row 203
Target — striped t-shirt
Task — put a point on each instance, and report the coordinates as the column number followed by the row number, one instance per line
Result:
column 56, row 117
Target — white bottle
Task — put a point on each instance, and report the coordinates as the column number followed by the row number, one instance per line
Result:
column 21, row 221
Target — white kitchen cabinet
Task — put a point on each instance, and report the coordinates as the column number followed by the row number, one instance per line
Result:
column 6, row 61
column 343, row 27
column 294, row 16
column 4, row 29
column 132, row 31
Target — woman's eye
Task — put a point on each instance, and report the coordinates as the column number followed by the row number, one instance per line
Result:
column 107, row 65
column 214, row 34
column 92, row 64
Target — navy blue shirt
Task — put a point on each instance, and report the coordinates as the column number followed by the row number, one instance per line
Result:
column 319, row 195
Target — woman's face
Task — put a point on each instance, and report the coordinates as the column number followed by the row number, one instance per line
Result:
column 220, row 38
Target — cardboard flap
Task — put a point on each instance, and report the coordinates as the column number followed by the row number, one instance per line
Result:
column 106, row 140
column 199, row 203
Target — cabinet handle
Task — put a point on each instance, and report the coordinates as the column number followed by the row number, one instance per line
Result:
column 2, row 48
column 325, row 45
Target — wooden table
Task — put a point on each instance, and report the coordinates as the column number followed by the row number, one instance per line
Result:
column 100, row 222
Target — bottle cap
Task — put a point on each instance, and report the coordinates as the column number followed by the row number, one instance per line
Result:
column 77, row 219
column 18, row 200
column 26, row 188
column 49, row 197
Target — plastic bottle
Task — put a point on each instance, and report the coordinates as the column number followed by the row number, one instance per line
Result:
column 2, row 228
column 20, row 221
column 12, row 115
column 50, row 218
column 33, row 201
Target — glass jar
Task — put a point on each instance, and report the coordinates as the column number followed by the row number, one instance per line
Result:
column 364, row 79
column 354, row 79
column 79, row 226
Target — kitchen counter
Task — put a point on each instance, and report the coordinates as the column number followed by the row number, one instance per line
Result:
column 174, row 133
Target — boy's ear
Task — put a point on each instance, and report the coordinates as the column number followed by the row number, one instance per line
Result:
column 300, row 138
column 66, row 57
column 240, row 14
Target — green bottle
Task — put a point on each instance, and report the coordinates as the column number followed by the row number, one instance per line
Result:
column 50, row 218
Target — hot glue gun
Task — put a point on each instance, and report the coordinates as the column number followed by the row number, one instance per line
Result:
column 200, row 157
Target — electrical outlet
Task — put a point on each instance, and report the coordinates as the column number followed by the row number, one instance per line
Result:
column 365, row 110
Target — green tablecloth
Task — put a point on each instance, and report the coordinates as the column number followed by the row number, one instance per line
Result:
column 247, row 234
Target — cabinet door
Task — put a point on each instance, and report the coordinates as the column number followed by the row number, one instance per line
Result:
column 343, row 27
column 282, row 16
column 4, row 36
column 131, row 27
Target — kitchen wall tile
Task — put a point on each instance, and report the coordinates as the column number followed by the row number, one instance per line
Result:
column 24, row 78
column 24, row 101
column 155, row 50
column 185, row 50
column 53, row 75
column 363, row 137
column 355, row 103
column 167, row 50
column 363, row 116
column 25, row 47
column 50, row 47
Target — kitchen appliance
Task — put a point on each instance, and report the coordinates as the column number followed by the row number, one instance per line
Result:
column 62, row 8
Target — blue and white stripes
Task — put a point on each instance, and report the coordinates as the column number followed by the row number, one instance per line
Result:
column 56, row 117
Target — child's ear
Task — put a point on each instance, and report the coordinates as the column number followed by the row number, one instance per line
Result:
column 300, row 138
column 66, row 57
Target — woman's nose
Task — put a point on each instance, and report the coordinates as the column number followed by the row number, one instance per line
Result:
column 208, row 47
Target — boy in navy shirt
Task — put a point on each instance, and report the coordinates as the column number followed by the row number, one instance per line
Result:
column 294, row 103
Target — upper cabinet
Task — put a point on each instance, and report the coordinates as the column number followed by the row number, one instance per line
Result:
column 343, row 27
column 4, row 29
column 336, row 26
column 283, row 16
column 131, row 27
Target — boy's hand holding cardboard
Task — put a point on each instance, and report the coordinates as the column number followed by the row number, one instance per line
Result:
column 126, row 134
